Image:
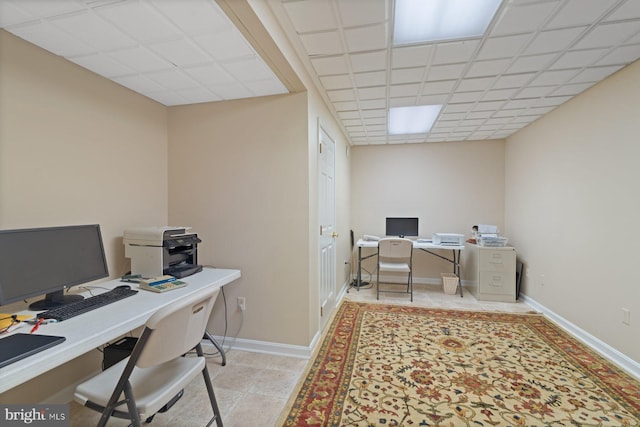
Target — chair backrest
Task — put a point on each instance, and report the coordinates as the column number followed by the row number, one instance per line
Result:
column 176, row 329
column 395, row 247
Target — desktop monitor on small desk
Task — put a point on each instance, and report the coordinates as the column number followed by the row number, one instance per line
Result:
column 39, row 261
column 402, row 227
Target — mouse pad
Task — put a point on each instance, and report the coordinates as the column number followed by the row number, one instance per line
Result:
column 18, row 346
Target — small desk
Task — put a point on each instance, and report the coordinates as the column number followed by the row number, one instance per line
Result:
column 90, row 330
column 427, row 247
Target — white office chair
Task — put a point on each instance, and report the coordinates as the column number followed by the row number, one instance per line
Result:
column 395, row 255
column 139, row 386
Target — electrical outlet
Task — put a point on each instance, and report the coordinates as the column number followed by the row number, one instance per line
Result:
column 626, row 316
column 242, row 303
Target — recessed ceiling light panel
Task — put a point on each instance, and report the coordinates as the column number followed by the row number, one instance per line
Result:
column 422, row 21
column 408, row 120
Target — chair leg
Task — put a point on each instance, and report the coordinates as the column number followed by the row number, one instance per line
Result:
column 378, row 284
column 212, row 396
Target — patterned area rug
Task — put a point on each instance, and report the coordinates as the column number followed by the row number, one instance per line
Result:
column 385, row 365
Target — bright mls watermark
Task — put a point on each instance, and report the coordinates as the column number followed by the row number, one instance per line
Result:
column 34, row 415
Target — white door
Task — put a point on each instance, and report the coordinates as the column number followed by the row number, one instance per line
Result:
column 327, row 217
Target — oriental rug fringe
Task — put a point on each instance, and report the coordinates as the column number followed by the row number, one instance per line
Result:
column 386, row 365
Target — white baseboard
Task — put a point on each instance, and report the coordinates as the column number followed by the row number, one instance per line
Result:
column 604, row 349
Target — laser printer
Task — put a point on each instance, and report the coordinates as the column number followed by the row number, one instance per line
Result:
column 158, row 251
column 448, row 239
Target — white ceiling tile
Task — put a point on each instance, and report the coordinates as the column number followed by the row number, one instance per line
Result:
column 93, row 30
column 182, row 52
column 410, row 56
column 140, row 59
column 197, row 95
column 556, row 77
column 341, row 95
column 51, row 38
column 173, row 79
column 370, row 61
column 342, row 81
column 503, row 47
column 330, row 65
column 407, row 75
column 166, row 97
column 535, row 92
column 445, row 72
column 512, row 80
column 42, row 8
column 498, row 94
column 373, row 103
column 201, row 17
column 138, row 20
column 404, row 90
column 473, row 84
column 249, row 69
column 595, row 74
column 102, row 64
column 362, row 12
column 346, row 106
column 621, row 55
column 455, row 52
column 210, row 75
column 11, row 14
column 364, row 39
column 488, row 105
column 580, row 12
column 578, row 59
column 327, row 43
column 266, row 87
column 225, row 45
column 523, row 18
column 553, row 40
column 488, row 68
column 571, row 89
column 608, row 35
column 139, row 83
column 372, row 92
column 466, row 96
column 629, row 10
column 441, row 87
column 311, row 15
column 550, row 101
column 379, row 113
column 519, row 103
column 525, row 64
column 346, row 115
column 231, row 91
column 479, row 114
column 458, row 108
column 432, row 99
column 375, row 78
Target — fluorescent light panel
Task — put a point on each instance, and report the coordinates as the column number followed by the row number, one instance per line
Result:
column 408, row 120
column 420, row 21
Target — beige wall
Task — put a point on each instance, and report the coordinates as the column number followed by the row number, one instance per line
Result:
column 239, row 178
column 76, row 149
column 449, row 187
column 572, row 209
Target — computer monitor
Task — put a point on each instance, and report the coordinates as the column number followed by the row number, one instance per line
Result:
column 402, row 227
column 39, row 261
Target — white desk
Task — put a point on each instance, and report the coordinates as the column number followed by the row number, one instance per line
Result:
column 90, row 330
column 427, row 247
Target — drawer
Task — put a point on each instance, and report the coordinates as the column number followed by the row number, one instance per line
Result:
column 496, row 260
column 495, row 282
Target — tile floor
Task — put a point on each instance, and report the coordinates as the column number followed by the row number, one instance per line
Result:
column 253, row 388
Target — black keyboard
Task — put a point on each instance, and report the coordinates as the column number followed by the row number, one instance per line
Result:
column 68, row 311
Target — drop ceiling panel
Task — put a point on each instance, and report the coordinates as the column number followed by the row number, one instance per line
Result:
column 535, row 55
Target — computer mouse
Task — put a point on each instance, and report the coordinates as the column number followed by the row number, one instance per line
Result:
column 123, row 287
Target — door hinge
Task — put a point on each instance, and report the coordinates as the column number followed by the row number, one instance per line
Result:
column 321, row 311
column 321, row 148
column 321, row 229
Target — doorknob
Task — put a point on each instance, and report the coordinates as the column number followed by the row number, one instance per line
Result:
column 334, row 234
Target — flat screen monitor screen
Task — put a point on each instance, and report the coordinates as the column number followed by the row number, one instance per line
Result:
column 39, row 261
column 403, row 227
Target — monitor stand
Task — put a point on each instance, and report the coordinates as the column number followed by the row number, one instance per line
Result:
column 53, row 300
